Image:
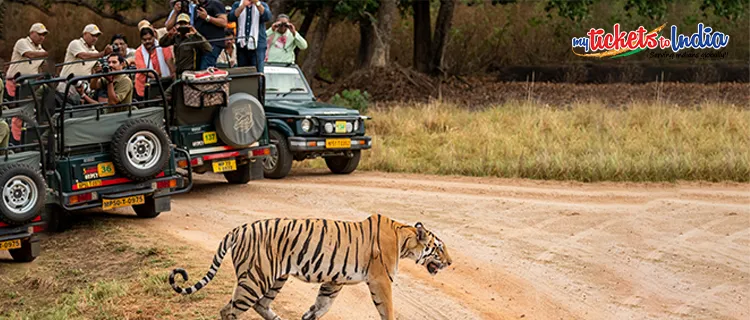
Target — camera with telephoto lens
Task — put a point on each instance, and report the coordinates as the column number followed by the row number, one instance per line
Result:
column 115, row 48
column 104, row 64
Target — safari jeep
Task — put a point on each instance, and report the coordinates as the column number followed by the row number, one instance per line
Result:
column 23, row 188
column 229, row 137
column 103, row 156
column 302, row 128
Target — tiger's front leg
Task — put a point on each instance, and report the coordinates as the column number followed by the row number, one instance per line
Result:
column 380, row 291
column 326, row 294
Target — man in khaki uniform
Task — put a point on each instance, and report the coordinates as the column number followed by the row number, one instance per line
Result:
column 83, row 49
column 119, row 88
column 26, row 48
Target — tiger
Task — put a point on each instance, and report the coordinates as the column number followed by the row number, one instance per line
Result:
column 335, row 253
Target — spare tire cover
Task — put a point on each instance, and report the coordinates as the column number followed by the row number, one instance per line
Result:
column 242, row 121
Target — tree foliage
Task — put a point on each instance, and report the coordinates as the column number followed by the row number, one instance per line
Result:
column 575, row 10
column 729, row 9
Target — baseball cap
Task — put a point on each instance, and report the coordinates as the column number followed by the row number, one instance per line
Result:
column 144, row 24
column 38, row 28
column 183, row 17
column 92, row 29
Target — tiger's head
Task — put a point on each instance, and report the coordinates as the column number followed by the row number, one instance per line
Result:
column 426, row 249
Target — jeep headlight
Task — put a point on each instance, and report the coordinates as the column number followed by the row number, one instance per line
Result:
column 306, row 125
column 328, row 127
column 356, row 125
column 349, row 127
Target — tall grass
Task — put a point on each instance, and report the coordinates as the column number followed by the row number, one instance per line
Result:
column 585, row 142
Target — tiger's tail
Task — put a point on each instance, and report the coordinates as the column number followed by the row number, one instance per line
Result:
column 224, row 246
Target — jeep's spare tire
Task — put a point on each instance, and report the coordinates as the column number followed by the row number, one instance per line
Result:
column 140, row 148
column 22, row 191
column 242, row 121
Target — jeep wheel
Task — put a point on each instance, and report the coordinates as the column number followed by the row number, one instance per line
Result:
column 240, row 176
column 141, row 149
column 277, row 165
column 56, row 218
column 343, row 164
column 24, row 253
column 22, row 193
column 147, row 209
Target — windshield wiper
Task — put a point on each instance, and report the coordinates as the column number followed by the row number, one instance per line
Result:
column 290, row 91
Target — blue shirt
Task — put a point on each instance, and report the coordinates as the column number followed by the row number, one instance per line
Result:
column 265, row 17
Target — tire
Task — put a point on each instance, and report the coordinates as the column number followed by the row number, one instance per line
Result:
column 240, row 176
column 22, row 193
column 148, row 209
column 242, row 122
column 277, row 166
column 56, row 218
column 141, row 149
column 343, row 164
column 24, row 253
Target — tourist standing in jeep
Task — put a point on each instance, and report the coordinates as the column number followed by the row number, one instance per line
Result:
column 187, row 55
column 83, row 49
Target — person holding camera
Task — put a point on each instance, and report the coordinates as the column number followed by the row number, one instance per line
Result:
column 120, row 46
column 283, row 38
column 187, row 56
column 83, row 49
column 209, row 18
column 119, row 87
column 250, row 15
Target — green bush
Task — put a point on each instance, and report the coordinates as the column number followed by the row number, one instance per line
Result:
column 353, row 99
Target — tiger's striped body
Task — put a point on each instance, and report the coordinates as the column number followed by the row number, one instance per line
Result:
column 335, row 253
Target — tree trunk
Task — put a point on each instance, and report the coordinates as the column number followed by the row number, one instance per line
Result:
column 382, row 44
column 442, row 28
column 422, row 35
column 278, row 7
column 366, row 34
column 317, row 42
column 305, row 27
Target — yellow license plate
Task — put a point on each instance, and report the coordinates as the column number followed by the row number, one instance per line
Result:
column 338, row 143
column 340, row 126
column 224, row 166
column 105, row 169
column 209, row 137
column 10, row 244
column 109, row 204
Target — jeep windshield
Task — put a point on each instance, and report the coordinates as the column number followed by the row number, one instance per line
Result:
column 285, row 82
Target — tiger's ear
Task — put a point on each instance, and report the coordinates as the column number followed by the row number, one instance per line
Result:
column 420, row 231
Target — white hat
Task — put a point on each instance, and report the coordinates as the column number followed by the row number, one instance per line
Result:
column 38, row 28
column 92, row 29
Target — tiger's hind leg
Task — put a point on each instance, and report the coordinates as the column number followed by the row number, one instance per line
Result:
column 246, row 294
column 263, row 306
column 326, row 295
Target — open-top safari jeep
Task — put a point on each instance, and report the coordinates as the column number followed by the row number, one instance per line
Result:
column 23, row 187
column 102, row 156
column 303, row 128
column 222, row 124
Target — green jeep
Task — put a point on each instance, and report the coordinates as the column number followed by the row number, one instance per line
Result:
column 100, row 156
column 303, row 128
column 22, row 187
column 229, row 138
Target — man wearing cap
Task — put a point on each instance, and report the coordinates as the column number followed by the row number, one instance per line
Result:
column 83, row 49
column 26, row 48
column 187, row 57
column 283, row 39
column 209, row 18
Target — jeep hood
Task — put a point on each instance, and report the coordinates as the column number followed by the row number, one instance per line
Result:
column 307, row 108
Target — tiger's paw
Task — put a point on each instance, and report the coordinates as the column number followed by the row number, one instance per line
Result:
column 310, row 314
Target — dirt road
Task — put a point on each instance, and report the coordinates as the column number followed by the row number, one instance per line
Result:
column 521, row 249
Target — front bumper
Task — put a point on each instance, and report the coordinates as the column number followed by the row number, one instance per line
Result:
column 318, row 144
